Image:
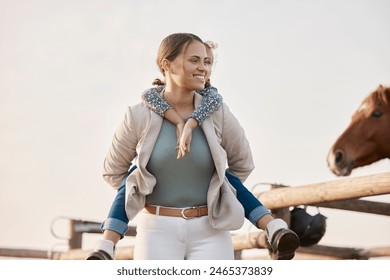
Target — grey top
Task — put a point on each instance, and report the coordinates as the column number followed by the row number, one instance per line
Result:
column 180, row 182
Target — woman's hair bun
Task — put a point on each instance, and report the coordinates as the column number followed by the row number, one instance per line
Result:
column 158, row 82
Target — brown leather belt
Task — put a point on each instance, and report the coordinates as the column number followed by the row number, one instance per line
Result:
column 185, row 213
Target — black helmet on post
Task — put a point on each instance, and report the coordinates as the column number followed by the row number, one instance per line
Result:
column 310, row 229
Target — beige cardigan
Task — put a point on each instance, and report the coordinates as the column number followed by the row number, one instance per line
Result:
column 134, row 141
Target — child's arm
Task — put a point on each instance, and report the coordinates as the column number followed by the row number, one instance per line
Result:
column 210, row 102
column 152, row 98
column 185, row 138
column 172, row 116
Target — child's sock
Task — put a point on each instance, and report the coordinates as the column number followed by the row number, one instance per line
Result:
column 273, row 227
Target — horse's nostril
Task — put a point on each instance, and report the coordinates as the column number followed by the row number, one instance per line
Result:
column 339, row 157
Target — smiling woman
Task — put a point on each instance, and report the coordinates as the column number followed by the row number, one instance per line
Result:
column 180, row 196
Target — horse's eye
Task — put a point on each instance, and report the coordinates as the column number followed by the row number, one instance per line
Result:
column 376, row 114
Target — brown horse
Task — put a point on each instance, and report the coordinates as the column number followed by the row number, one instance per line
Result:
column 367, row 138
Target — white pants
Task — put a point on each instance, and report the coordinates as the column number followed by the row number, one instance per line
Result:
column 174, row 238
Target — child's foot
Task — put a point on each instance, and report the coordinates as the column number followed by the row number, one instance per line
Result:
column 283, row 241
column 99, row 255
column 104, row 250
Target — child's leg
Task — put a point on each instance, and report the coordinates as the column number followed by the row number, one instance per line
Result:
column 283, row 241
column 114, row 227
column 117, row 219
column 254, row 209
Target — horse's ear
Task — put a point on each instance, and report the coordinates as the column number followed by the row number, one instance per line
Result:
column 383, row 87
column 384, row 93
column 381, row 90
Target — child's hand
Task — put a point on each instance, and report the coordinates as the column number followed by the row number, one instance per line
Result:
column 185, row 138
column 184, row 142
column 179, row 132
column 172, row 116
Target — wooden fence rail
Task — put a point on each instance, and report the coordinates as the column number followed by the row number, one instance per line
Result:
column 343, row 189
column 343, row 194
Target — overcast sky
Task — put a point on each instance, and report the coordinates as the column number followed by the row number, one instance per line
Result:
column 293, row 72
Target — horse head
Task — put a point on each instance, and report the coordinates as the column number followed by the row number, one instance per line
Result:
column 367, row 138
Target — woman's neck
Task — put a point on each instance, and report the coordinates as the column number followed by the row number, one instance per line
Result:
column 181, row 100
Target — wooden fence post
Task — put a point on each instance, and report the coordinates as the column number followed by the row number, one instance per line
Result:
column 76, row 237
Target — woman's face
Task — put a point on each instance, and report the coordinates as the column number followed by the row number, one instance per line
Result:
column 191, row 68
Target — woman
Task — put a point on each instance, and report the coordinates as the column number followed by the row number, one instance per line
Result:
column 186, row 66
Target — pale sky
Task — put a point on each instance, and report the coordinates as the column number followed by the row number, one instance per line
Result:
column 293, row 72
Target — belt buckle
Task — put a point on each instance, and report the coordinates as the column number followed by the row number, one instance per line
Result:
column 189, row 208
